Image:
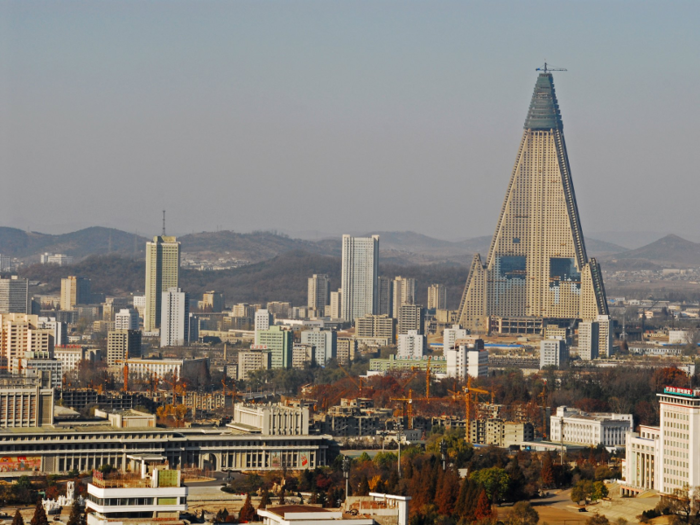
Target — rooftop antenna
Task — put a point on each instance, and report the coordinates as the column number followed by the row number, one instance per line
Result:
column 546, row 69
column 163, row 223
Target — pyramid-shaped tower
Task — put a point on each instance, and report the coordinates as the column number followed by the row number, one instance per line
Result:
column 536, row 270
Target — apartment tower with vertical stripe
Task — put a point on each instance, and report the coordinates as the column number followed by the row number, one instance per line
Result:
column 537, row 270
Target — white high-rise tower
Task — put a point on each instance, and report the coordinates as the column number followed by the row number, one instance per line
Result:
column 359, row 276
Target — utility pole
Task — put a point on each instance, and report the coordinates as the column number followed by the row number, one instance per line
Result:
column 399, row 429
column 346, row 474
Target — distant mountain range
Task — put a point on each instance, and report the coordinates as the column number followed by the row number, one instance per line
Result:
column 397, row 248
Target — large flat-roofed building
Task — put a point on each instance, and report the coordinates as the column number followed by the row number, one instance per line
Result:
column 271, row 420
column 468, row 358
column 591, row 429
column 325, row 341
column 537, row 266
column 666, row 458
column 437, row 297
column 257, row 358
column 372, row 326
column 437, row 364
column 346, row 350
column 25, row 402
column 54, row 450
column 146, row 368
column 19, row 336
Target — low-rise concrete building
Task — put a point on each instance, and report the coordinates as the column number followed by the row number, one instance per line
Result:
column 573, row 426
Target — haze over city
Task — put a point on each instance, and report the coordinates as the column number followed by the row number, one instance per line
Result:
column 339, row 117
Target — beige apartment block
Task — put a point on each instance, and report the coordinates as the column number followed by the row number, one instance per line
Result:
column 162, row 273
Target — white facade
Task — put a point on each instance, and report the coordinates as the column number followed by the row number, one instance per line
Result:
column 666, row 458
column 157, row 495
column 56, row 258
column 554, row 352
column 175, row 314
column 140, row 304
column 679, row 337
column 145, row 368
column 450, row 335
column 403, row 292
column 588, row 340
column 411, row 345
column 126, row 319
column 14, row 296
column 271, row 420
column 69, row 356
column 360, row 267
column 263, row 320
column 325, row 342
column 60, row 330
column 581, row 428
column 468, row 358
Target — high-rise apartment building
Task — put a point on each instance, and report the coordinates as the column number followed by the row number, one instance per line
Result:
column 74, row 291
column 14, row 296
column 252, row 360
column 59, row 329
column 468, row 358
column 385, row 290
column 122, row 343
column 437, row 297
column 319, row 290
column 376, row 326
column 336, row 306
column 360, row 267
column 410, row 345
column 450, row 335
column 404, row 292
column 554, row 352
column 346, row 350
column 243, row 310
column 263, row 321
column 279, row 342
column 162, row 273
column 212, row 301
column 325, row 342
column 588, row 340
column 126, row 319
column 537, row 267
column 21, row 336
column 605, row 336
column 410, row 317
column 175, row 318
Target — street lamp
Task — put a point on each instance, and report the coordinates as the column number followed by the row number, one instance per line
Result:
column 443, row 453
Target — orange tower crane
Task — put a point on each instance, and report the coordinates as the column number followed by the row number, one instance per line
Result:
column 407, row 408
column 358, row 384
column 469, row 393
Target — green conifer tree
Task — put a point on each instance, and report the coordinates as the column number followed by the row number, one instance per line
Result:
column 39, row 517
column 18, row 519
column 247, row 512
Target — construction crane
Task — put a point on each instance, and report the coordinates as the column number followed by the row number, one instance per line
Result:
column 358, row 384
column 407, row 408
column 546, row 69
column 468, row 393
column 427, row 379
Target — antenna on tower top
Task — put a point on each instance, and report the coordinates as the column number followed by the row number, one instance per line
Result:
column 546, row 69
column 163, row 223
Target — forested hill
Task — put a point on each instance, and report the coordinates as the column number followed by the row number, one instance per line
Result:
column 282, row 278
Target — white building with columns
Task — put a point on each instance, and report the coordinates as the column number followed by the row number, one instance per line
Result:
column 666, row 458
column 592, row 429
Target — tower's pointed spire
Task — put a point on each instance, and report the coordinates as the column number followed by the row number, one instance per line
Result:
column 544, row 109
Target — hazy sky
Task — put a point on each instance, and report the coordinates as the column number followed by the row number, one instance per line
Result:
column 340, row 115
